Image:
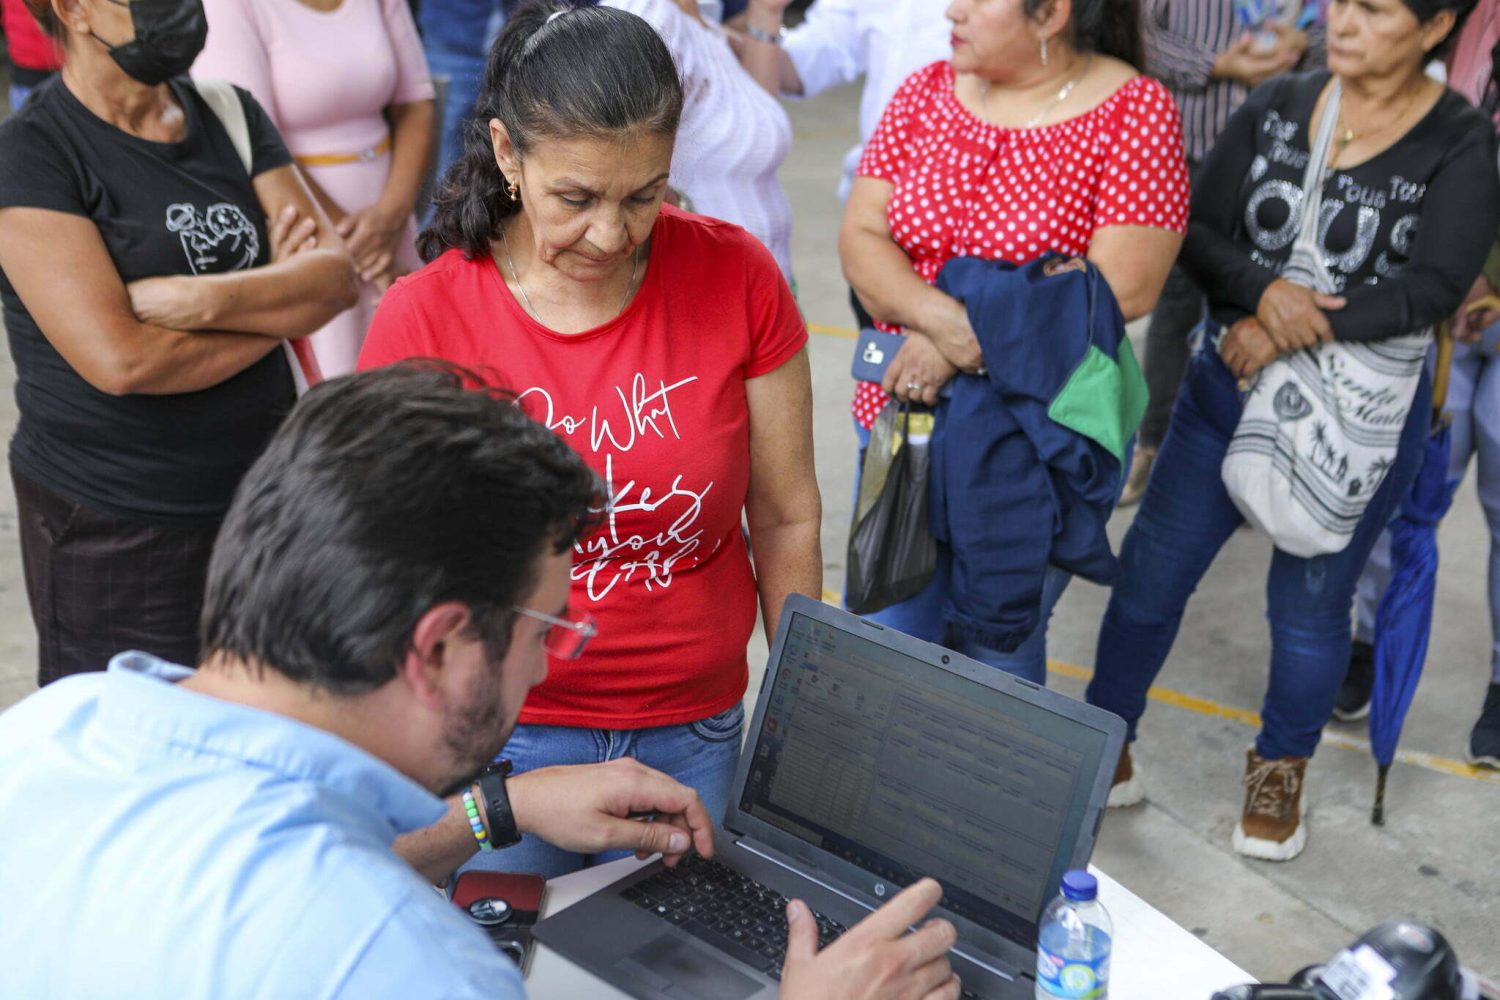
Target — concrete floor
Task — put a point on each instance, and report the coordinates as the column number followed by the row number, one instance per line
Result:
column 1436, row 857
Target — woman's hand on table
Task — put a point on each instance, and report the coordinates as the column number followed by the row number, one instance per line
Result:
column 918, row 371
column 1246, row 348
column 1295, row 317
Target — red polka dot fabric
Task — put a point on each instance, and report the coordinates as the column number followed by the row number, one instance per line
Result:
column 966, row 188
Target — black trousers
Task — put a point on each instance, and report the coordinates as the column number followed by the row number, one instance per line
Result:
column 99, row 584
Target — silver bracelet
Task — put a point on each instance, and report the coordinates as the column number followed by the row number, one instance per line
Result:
column 769, row 37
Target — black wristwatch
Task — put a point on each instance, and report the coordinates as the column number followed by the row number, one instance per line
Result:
column 503, row 832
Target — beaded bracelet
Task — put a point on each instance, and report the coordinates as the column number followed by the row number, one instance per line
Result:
column 475, row 823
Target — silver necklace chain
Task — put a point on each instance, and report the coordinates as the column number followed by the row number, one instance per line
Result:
column 635, row 263
column 1036, row 119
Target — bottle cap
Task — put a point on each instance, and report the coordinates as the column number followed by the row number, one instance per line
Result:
column 1079, row 886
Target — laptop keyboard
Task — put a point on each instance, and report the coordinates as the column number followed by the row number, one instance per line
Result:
column 718, row 905
column 732, row 912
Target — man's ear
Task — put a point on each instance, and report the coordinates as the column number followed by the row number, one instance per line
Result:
column 506, row 157
column 427, row 668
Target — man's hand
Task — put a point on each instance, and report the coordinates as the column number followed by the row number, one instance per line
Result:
column 877, row 959
column 917, row 371
column 1244, row 63
column 372, row 235
column 1296, row 317
column 583, row 809
column 1246, row 348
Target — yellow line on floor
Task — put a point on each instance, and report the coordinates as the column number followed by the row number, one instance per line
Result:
column 832, row 331
column 1212, row 709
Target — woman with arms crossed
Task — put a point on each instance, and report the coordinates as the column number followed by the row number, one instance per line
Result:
column 148, row 283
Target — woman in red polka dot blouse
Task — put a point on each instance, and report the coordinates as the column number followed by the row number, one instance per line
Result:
column 1039, row 136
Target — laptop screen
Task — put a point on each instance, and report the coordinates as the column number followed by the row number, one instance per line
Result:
column 906, row 769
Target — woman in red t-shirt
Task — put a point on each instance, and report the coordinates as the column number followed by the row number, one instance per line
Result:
column 668, row 350
column 1039, row 136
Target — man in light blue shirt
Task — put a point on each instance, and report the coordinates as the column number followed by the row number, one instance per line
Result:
column 383, row 593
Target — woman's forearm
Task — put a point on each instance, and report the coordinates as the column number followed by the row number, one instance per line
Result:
column 788, row 560
column 155, row 361
column 881, row 274
column 412, row 128
column 768, row 63
column 290, row 298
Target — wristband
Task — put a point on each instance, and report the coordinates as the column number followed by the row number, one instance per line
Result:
column 476, row 824
column 762, row 35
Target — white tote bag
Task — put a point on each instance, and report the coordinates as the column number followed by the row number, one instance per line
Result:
column 1321, row 427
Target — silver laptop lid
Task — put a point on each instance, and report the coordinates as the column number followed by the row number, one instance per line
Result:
column 875, row 759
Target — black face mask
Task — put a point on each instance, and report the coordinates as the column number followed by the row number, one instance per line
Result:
column 169, row 34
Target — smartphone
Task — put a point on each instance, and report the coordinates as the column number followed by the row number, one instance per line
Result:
column 873, row 353
column 505, row 905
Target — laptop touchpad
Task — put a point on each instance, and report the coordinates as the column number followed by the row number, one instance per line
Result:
column 677, row 968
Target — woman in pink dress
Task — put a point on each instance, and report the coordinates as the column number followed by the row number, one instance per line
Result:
column 346, row 83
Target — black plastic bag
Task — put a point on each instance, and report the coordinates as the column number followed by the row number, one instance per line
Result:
column 892, row 554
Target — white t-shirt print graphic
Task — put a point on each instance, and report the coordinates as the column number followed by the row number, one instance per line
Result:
column 222, row 238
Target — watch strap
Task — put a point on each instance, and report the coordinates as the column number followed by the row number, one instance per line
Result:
column 503, row 831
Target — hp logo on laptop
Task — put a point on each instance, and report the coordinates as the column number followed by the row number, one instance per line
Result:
column 880, row 889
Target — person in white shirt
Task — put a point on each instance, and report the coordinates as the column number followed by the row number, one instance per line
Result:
column 885, row 41
column 840, row 40
column 733, row 136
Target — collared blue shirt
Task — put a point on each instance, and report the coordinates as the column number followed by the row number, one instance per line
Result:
column 155, row 843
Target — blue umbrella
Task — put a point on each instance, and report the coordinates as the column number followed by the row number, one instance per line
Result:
column 1403, row 622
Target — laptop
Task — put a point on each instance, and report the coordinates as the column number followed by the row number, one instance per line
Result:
column 873, row 759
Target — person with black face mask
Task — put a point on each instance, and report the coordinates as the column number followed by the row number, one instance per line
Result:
column 152, row 264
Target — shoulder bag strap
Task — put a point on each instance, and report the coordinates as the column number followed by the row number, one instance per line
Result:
column 221, row 98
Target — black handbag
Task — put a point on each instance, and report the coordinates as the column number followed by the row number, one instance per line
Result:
column 892, row 554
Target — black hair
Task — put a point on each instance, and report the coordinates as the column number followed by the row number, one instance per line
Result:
column 383, row 495
column 555, row 72
column 47, row 18
column 1108, row 27
column 1425, row 10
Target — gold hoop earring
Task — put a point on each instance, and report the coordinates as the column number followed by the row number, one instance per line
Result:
column 1044, row 50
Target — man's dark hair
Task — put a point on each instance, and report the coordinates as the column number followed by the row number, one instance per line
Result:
column 555, row 72
column 384, row 494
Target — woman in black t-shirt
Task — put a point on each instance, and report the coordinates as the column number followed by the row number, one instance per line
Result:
column 146, row 301
column 1409, row 209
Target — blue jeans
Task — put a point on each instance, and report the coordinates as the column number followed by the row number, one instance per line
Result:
column 1474, row 403
column 922, row 616
column 1184, row 519
column 702, row 755
column 457, row 35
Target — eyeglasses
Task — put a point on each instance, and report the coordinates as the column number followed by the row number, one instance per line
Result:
column 567, row 638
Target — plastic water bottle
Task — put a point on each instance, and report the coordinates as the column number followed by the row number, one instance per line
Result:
column 1072, row 957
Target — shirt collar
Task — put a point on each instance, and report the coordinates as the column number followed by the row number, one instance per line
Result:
column 148, row 705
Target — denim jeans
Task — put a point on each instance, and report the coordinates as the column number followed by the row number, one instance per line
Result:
column 702, row 755
column 1474, row 403
column 1184, row 519
column 457, row 35
column 922, row 616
